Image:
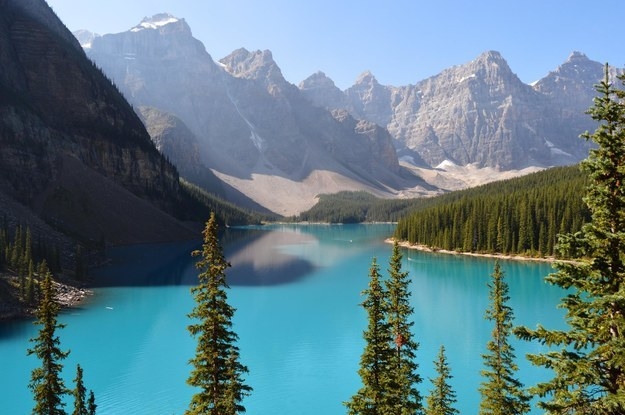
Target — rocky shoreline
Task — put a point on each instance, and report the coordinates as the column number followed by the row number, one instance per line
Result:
column 68, row 294
column 425, row 248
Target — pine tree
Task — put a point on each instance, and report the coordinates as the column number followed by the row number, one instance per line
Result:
column 91, row 406
column 79, row 391
column 403, row 370
column 217, row 371
column 373, row 397
column 502, row 393
column 46, row 383
column 589, row 367
column 441, row 399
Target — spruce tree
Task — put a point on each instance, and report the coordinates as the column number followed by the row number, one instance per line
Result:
column 91, row 405
column 217, row 371
column 441, row 399
column 373, row 397
column 502, row 393
column 80, row 406
column 588, row 359
column 46, row 382
column 403, row 367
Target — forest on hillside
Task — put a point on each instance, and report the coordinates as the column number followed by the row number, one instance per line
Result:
column 516, row 216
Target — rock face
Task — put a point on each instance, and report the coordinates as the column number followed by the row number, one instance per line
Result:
column 250, row 123
column 73, row 150
column 478, row 113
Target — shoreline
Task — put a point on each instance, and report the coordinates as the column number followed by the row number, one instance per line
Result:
column 425, row 248
column 67, row 294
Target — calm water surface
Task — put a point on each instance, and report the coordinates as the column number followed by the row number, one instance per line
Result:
column 297, row 293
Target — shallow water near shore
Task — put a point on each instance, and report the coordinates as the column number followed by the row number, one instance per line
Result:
column 297, row 293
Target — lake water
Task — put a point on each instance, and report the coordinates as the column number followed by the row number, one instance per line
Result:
column 297, row 293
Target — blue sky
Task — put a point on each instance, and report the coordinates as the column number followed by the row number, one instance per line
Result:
column 399, row 41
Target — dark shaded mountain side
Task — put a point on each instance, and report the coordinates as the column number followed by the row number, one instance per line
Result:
column 516, row 216
column 73, row 150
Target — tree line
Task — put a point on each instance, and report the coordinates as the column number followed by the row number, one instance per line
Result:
column 355, row 207
column 516, row 216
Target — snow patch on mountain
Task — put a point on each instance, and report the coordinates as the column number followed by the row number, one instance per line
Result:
column 155, row 22
column 555, row 150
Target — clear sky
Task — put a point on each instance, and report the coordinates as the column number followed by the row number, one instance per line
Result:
column 400, row 41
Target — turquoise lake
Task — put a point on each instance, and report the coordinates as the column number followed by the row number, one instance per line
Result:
column 297, row 291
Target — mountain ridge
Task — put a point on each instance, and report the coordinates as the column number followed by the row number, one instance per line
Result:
column 254, row 127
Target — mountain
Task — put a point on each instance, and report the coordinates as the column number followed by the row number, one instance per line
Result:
column 478, row 113
column 256, row 131
column 74, row 153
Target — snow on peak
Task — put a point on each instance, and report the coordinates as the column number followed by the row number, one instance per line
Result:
column 155, row 22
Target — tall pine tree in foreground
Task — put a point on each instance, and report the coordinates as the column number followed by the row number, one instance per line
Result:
column 588, row 359
column 80, row 406
column 373, row 397
column 441, row 399
column 502, row 393
column 405, row 397
column 46, row 382
column 217, row 371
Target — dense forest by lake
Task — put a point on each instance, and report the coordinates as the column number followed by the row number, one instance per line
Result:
column 517, row 216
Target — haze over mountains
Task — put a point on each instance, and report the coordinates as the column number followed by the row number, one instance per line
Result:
column 281, row 145
column 255, row 130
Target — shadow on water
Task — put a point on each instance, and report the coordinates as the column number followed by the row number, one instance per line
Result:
column 253, row 253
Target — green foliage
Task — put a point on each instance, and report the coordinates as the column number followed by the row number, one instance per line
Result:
column 80, row 406
column 441, row 399
column 373, row 398
column 388, row 367
column 502, row 393
column 199, row 202
column 46, row 382
column 403, row 366
column 515, row 216
column 355, row 207
column 217, row 371
column 588, row 359
column 91, row 405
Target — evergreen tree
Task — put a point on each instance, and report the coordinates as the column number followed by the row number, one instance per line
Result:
column 46, row 383
column 91, row 406
column 373, row 397
column 80, row 406
column 403, row 367
column 589, row 367
column 502, row 393
column 441, row 399
column 217, row 371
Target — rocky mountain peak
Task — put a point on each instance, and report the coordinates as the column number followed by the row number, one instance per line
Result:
column 366, row 78
column 577, row 56
column 252, row 65
column 322, row 91
column 317, row 80
column 159, row 21
column 492, row 68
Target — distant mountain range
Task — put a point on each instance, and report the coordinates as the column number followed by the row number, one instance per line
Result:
column 279, row 145
column 479, row 112
column 258, row 133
